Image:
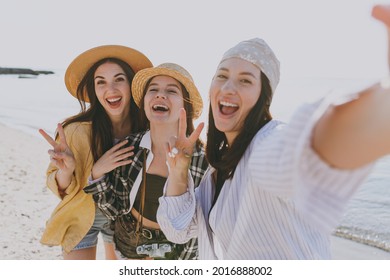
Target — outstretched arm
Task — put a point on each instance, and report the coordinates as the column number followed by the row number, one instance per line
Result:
column 357, row 132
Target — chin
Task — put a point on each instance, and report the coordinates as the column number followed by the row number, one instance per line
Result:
column 223, row 128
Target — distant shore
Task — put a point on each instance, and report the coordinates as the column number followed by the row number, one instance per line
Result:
column 23, row 71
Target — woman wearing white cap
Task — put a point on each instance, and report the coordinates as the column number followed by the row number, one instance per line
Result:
column 129, row 195
column 102, row 77
column 274, row 191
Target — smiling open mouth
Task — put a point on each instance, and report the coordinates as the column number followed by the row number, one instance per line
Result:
column 160, row 108
column 227, row 108
column 114, row 101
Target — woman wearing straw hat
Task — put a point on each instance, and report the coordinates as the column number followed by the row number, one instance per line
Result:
column 102, row 77
column 160, row 92
column 274, row 191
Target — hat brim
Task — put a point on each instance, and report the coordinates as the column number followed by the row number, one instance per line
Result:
column 82, row 63
column 143, row 76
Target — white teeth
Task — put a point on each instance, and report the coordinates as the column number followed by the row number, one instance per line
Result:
column 156, row 107
column 114, row 99
column 227, row 104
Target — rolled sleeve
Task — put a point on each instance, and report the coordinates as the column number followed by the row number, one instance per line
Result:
column 175, row 214
column 96, row 186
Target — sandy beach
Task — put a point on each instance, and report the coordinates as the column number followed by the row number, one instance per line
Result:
column 26, row 204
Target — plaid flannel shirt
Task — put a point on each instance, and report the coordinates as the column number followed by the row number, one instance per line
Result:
column 112, row 193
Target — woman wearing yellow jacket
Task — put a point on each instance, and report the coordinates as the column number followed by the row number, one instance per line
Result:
column 101, row 76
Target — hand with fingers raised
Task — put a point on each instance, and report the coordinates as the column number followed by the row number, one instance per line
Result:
column 179, row 153
column 113, row 158
column 61, row 156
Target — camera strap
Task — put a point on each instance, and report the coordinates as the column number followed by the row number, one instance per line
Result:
column 139, row 227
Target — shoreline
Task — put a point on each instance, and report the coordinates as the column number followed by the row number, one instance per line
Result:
column 353, row 237
column 26, row 203
column 347, row 249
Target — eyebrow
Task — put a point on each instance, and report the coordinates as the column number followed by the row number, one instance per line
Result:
column 241, row 73
column 168, row 85
column 116, row 75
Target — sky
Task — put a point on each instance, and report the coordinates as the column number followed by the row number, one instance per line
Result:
column 311, row 38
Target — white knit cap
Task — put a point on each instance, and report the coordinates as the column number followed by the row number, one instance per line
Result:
column 257, row 52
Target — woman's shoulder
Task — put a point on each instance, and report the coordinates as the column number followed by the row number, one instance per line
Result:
column 268, row 129
column 78, row 126
column 78, row 129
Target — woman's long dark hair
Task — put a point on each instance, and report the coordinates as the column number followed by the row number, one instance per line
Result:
column 225, row 159
column 102, row 131
column 187, row 106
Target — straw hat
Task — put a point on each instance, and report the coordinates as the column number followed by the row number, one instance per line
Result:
column 171, row 70
column 82, row 63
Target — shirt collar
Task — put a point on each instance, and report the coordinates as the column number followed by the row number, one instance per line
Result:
column 146, row 141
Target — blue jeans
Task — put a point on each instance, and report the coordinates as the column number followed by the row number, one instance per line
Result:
column 101, row 224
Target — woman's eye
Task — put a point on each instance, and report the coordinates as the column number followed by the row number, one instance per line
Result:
column 100, row 82
column 221, row 76
column 245, row 81
column 120, row 79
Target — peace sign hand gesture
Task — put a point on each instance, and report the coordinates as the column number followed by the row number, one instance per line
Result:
column 61, row 156
column 179, row 153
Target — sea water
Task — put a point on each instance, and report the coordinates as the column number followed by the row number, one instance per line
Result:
column 41, row 102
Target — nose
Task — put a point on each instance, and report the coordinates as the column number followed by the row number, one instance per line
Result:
column 229, row 87
column 161, row 95
column 111, row 87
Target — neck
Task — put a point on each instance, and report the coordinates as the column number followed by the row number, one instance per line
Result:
column 121, row 127
column 160, row 135
column 230, row 137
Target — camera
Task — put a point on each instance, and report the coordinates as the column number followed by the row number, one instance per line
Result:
column 154, row 250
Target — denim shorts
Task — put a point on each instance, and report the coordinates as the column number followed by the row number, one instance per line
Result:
column 101, row 224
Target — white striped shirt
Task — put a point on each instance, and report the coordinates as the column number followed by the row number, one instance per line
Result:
column 282, row 203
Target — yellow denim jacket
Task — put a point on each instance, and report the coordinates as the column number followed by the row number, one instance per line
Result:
column 75, row 214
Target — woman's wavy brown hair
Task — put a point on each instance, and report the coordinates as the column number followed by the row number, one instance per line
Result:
column 102, row 136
